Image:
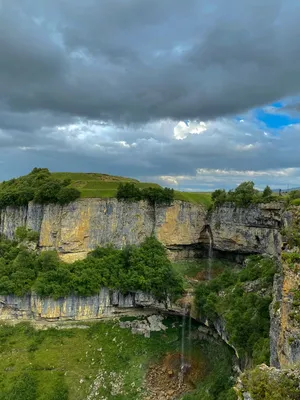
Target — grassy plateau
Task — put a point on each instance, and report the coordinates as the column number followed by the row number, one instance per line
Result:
column 93, row 185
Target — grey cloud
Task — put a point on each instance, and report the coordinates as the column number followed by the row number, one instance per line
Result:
column 225, row 145
column 116, row 75
column 143, row 60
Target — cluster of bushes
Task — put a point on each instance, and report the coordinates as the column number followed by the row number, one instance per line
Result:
column 154, row 195
column 23, row 234
column 243, row 196
column 270, row 385
column 294, row 197
column 39, row 186
column 145, row 268
column 244, row 311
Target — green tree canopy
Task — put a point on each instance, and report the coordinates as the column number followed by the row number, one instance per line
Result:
column 38, row 185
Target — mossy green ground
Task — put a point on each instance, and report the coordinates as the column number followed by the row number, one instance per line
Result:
column 93, row 185
column 69, row 364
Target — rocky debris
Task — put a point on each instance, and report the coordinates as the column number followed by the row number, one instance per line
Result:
column 153, row 323
column 111, row 381
column 165, row 384
column 171, row 378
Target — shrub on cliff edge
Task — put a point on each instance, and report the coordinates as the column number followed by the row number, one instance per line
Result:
column 38, row 185
column 146, row 268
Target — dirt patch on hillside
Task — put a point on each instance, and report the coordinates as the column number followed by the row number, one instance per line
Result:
column 171, row 378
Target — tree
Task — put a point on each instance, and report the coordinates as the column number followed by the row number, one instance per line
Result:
column 158, row 195
column 128, row 192
column 67, row 195
column 219, row 197
column 244, row 194
column 267, row 192
column 48, row 192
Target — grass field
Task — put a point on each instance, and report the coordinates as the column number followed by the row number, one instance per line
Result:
column 101, row 362
column 93, row 185
column 203, row 198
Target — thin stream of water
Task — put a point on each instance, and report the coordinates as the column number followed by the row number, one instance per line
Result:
column 210, row 257
column 183, row 336
column 190, row 338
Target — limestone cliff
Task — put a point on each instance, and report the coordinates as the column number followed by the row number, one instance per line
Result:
column 285, row 318
column 247, row 230
column 75, row 229
column 105, row 304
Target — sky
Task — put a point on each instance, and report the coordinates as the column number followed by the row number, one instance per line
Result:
column 195, row 94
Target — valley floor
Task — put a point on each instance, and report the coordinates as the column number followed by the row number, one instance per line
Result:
column 102, row 361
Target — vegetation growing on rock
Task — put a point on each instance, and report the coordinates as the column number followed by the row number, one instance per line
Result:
column 264, row 383
column 241, row 300
column 243, row 195
column 144, row 268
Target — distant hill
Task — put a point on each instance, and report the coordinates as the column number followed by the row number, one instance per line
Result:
column 97, row 185
column 102, row 185
column 91, row 176
column 284, row 190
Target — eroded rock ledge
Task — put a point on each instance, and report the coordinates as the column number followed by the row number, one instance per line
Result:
column 107, row 303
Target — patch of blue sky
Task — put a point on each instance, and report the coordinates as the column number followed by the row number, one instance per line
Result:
column 276, row 120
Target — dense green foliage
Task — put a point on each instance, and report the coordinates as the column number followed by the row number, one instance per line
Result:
column 154, row 195
column 294, row 194
column 235, row 296
column 265, row 385
column 23, row 234
column 243, row 196
column 295, row 202
column 145, row 268
column 39, row 186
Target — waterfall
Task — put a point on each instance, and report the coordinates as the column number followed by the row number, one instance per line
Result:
column 190, row 338
column 183, row 337
column 185, row 362
column 210, row 255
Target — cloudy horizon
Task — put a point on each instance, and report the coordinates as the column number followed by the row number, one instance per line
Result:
column 194, row 97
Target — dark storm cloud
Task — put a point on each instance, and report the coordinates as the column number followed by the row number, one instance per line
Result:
column 80, row 80
column 133, row 60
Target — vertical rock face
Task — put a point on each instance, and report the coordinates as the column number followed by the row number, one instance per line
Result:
column 247, row 230
column 285, row 318
column 77, row 228
column 105, row 304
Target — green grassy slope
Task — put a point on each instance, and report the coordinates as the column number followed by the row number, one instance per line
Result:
column 91, row 176
column 203, row 198
column 94, row 185
column 74, row 364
